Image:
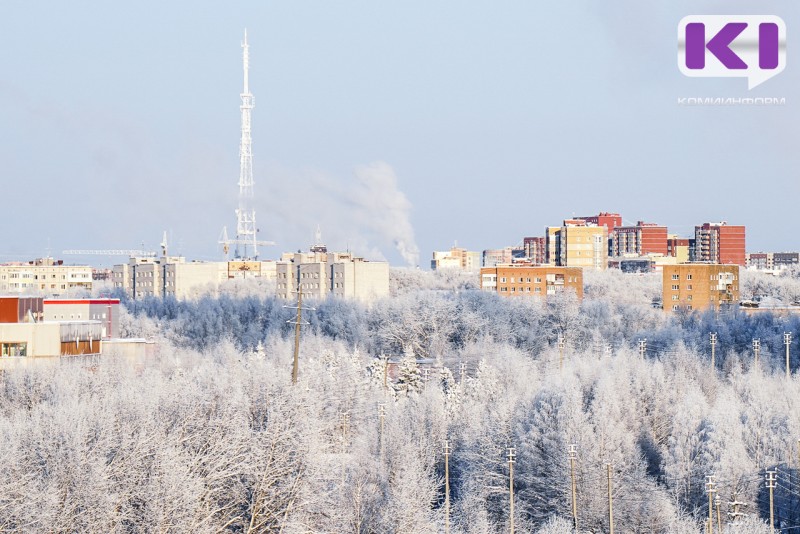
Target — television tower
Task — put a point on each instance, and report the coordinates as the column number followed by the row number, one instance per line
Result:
column 246, row 241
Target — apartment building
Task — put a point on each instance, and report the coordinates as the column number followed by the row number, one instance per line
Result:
column 772, row 260
column 456, row 258
column 581, row 244
column 511, row 280
column 496, row 256
column 535, row 249
column 321, row 274
column 173, row 276
column 44, row 276
column 699, row 286
column 640, row 240
column 719, row 243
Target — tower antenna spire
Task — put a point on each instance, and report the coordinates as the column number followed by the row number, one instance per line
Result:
column 246, row 241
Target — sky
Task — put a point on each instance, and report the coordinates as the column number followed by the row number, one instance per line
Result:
column 398, row 127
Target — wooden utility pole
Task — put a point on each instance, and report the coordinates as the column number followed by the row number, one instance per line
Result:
column 713, row 336
column 385, row 372
column 561, row 344
column 573, row 455
column 736, row 504
column 298, row 321
column 756, row 351
column 717, row 502
column 446, row 487
column 610, row 502
column 381, row 416
column 642, row 348
column 463, row 371
column 770, row 476
column 787, row 340
column 511, row 455
column 710, row 489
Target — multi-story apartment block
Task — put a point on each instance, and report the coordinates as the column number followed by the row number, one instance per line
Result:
column 581, row 244
column 535, row 249
column 767, row 261
column 699, row 286
column 609, row 220
column 539, row 281
column 173, row 276
column 456, row 258
column 44, row 276
column 719, row 243
column 639, row 240
column 322, row 274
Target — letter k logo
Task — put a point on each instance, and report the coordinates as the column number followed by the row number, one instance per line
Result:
column 719, row 45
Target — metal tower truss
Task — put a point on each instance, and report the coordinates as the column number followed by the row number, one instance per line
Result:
column 246, row 242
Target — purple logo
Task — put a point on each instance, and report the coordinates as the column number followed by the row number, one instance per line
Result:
column 746, row 46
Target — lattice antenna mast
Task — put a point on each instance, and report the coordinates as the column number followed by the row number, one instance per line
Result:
column 246, row 239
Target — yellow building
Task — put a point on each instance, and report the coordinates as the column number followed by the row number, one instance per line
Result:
column 511, row 280
column 699, row 286
column 583, row 245
column 44, row 276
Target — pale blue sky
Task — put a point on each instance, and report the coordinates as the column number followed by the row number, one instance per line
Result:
column 119, row 121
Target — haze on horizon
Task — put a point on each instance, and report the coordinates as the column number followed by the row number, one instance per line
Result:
column 471, row 121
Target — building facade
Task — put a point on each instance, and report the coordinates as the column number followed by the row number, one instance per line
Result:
column 456, row 258
column 719, row 243
column 639, row 240
column 535, row 249
column 105, row 311
column 511, row 280
column 173, row 276
column 679, row 248
column 44, row 276
column 699, row 286
column 323, row 274
column 582, row 245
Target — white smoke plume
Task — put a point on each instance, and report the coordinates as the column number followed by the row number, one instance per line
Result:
column 385, row 208
column 364, row 212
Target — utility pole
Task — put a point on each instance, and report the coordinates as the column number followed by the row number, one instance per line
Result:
column 446, row 487
column 425, row 375
column 561, row 343
column 756, row 350
column 573, row 455
column 608, row 351
column 298, row 322
column 770, row 476
column 381, row 416
column 717, row 502
column 787, row 340
column 511, row 455
column 713, row 336
column 610, row 502
column 463, row 371
column 385, row 372
column 736, row 504
column 710, row 489
column 642, row 348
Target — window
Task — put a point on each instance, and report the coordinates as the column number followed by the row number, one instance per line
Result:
column 13, row 350
column 688, row 276
column 689, row 307
column 674, row 297
column 537, row 290
column 675, row 277
column 689, row 287
column 503, row 279
column 689, row 297
column 675, row 287
column 674, row 307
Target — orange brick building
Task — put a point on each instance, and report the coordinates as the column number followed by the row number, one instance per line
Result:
column 699, row 286
column 541, row 281
column 642, row 239
column 720, row 243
